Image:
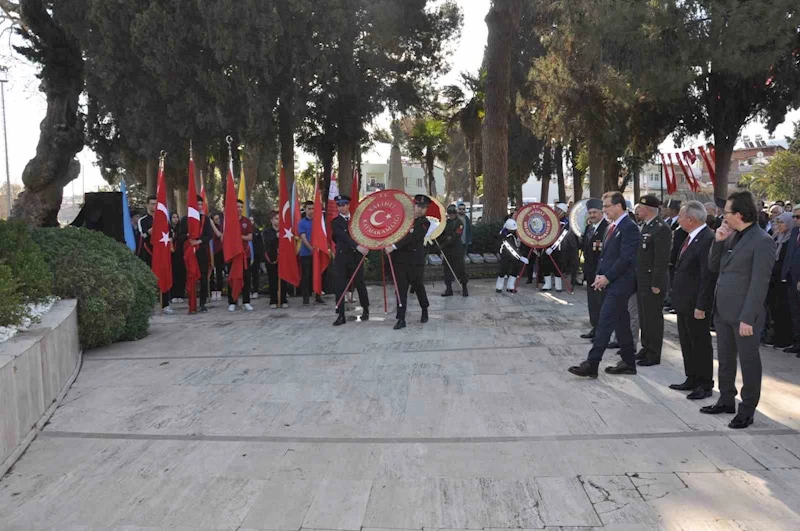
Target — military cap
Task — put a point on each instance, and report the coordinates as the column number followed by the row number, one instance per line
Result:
column 594, row 204
column 673, row 204
column 451, row 209
column 652, row 201
column 342, row 199
column 422, row 200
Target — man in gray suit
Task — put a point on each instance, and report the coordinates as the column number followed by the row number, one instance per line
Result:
column 743, row 255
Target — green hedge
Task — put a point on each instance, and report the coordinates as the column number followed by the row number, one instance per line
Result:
column 486, row 237
column 116, row 291
column 24, row 275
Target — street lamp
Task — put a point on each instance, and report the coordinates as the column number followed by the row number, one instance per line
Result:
column 3, row 81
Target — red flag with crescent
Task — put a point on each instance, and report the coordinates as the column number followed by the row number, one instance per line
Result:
column 189, row 250
column 160, row 238
column 288, row 268
column 319, row 242
column 232, row 244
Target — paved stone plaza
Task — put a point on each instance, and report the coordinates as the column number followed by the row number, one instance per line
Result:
column 277, row 420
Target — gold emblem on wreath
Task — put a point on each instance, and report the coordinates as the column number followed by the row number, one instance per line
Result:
column 382, row 219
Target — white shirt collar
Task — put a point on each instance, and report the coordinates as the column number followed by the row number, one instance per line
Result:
column 695, row 232
column 619, row 219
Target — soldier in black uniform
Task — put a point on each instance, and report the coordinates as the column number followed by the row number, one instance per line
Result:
column 453, row 249
column 348, row 256
column 409, row 261
column 592, row 245
column 652, row 268
column 144, row 247
column 202, row 251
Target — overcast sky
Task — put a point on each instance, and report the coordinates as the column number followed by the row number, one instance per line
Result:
column 25, row 105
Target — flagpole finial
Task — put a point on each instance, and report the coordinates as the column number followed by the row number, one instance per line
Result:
column 162, row 158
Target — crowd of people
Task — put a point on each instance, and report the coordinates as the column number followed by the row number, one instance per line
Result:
column 728, row 266
column 732, row 267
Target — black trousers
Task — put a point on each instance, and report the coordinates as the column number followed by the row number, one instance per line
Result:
column 595, row 301
column 203, row 261
column 456, row 260
column 255, row 276
column 730, row 346
column 219, row 271
column 272, row 278
column 793, row 299
column 307, row 279
column 698, row 353
column 178, row 275
column 343, row 268
column 651, row 322
column 245, row 289
column 778, row 301
column 508, row 266
column 413, row 276
column 547, row 267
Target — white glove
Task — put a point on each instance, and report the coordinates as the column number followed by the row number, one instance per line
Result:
column 524, row 260
column 549, row 252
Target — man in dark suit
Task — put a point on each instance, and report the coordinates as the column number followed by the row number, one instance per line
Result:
column 744, row 256
column 616, row 274
column 693, row 298
column 671, row 209
column 348, row 256
column 592, row 246
column 791, row 275
column 409, row 261
column 652, row 266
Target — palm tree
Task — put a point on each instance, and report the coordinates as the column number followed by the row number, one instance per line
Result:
column 468, row 114
column 428, row 141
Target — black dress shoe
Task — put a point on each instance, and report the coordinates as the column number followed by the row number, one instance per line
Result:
column 685, row 386
column 699, row 394
column 365, row 314
column 588, row 335
column 448, row 293
column 716, row 409
column 794, row 349
column 400, row 324
column 648, row 363
column 464, row 290
column 340, row 320
column 740, row 422
column 319, row 300
column 203, row 309
column 424, row 318
column 613, row 344
column 621, row 368
column 585, row 369
column 529, row 281
column 640, row 356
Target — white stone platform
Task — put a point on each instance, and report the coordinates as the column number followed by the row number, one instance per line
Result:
column 276, row 420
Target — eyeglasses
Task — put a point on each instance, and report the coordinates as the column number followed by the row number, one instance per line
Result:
column 729, row 211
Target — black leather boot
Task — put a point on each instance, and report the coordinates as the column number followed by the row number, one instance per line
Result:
column 464, row 290
column 424, row 316
column 448, row 292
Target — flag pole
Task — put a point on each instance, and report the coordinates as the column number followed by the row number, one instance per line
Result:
column 161, row 170
column 383, row 281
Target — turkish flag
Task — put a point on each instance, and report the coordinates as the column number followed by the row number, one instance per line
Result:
column 232, row 244
column 319, row 243
column 162, row 244
column 354, row 192
column 288, row 268
column 189, row 250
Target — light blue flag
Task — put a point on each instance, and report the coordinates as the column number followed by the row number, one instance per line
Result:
column 127, row 228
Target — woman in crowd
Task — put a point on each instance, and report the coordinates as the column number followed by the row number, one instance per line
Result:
column 777, row 297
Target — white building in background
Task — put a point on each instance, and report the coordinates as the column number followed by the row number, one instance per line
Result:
column 375, row 172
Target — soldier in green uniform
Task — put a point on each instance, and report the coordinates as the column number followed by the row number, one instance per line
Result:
column 652, row 268
column 453, row 249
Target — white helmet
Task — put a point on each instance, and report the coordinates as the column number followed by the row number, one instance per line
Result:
column 510, row 225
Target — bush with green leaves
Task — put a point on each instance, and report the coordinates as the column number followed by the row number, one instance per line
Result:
column 25, row 277
column 486, row 237
column 116, row 291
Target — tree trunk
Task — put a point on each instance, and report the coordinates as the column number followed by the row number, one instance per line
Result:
column 429, row 163
column 61, row 134
column 611, row 173
column 152, row 176
column 559, row 162
column 596, row 180
column 327, row 170
column 396, row 179
column 252, row 158
column 181, row 201
column 724, row 149
column 547, row 172
column 577, row 175
column 637, row 191
column 503, row 22
column 286, row 139
column 347, row 152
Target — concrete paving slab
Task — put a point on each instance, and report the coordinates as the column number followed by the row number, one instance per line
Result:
column 250, row 422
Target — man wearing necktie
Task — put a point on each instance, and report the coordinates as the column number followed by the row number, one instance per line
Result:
column 592, row 246
column 616, row 274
